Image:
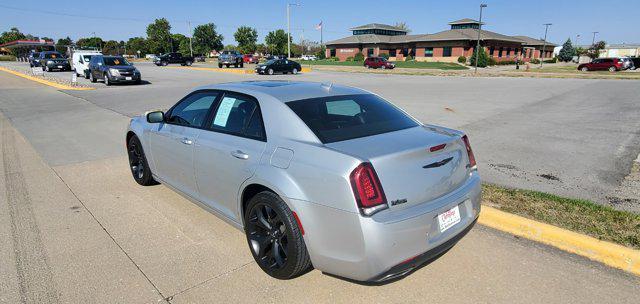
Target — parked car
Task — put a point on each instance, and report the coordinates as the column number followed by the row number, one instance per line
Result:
column 309, row 57
column 602, row 64
column 113, row 69
column 51, row 60
column 283, row 66
column 249, row 58
column 228, row 58
column 80, row 62
column 378, row 63
column 33, row 56
column 173, row 58
column 626, row 63
column 307, row 172
column 636, row 62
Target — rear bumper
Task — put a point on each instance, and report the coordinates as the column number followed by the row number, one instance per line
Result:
column 390, row 243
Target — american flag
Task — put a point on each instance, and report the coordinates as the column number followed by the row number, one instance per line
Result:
column 319, row 26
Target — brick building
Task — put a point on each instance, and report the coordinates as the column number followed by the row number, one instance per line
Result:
column 376, row 39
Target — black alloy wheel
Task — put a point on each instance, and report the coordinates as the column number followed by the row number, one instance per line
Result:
column 274, row 237
column 138, row 163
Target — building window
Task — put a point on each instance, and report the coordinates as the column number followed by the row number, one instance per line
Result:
column 332, row 53
column 508, row 52
column 500, row 52
column 428, row 52
column 491, row 50
column 392, row 53
column 405, row 52
column 446, row 51
column 369, row 52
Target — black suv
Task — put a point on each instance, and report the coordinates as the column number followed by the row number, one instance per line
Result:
column 50, row 61
column 33, row 56
column 113, row 69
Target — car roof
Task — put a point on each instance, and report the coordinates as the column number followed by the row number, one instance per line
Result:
column 286, row 91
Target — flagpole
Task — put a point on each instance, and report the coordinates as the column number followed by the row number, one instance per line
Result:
column 321, row 29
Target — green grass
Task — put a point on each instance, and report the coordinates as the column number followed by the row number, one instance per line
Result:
column 7, row 58
column 399, row 64
column 582, row 216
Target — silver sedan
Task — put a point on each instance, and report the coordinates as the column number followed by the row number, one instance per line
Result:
column 316, row 175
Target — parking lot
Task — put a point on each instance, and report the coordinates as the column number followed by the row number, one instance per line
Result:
column 83, row 231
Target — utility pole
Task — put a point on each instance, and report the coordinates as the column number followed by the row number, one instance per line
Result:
column 544, row 46
column 478, row 43
column 576, row 48
column 593, row 41
column 289, row 5
column 190, row 35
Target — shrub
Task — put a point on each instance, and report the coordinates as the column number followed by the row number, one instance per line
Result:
column 553, row 60
column 321, row 54
column 462, row 59
column 408, row 58
column 7, row 58
column 505, row 62
column 334, row 58
column 358, row 57
column 349, row 59
column 534, row 61
column 483, row 58
column 384, row 55
column 492, row 61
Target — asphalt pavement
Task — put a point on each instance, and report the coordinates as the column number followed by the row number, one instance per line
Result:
column 74, row 226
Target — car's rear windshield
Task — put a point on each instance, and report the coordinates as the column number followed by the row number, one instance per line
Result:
column 52, row 55
column 345, row 117
column 115, row 61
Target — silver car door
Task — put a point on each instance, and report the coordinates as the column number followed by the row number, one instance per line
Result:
column 227, row 155
column 172, row 142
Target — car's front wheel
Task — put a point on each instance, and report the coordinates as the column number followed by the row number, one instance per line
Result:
column 91, row 77
column 274, row 237
column 585, row 69
column 106, row 79
column 294, row 71
column 612, row 69
column 138, row 163
column 270, row 72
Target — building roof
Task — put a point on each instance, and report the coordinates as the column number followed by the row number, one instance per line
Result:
column 16, row 43
column 528, row 41
column 448, row 35
column 464, row 21
column 623, row 46
column 379, row 26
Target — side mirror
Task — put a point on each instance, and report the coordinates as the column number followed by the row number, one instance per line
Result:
column 155, row 117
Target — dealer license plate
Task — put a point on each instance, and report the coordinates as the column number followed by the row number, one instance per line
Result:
column 128, row 78
column 449, row 218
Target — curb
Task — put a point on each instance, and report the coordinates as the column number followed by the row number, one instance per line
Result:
column 46, row 82
column 232, row 71
column 610, row 254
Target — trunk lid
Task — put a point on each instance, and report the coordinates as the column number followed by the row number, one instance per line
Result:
column 407, row 166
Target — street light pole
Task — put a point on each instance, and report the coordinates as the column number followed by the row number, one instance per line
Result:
column 544, row 46
column 190, row 36
column 289, row 5
column 593, row 41
column 478, row 43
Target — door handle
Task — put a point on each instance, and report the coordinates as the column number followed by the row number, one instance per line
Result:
column 239, row 154
column 186, row 141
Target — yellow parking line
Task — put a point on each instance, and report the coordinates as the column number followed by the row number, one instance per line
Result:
column 46, row 82
column 233, row 71
column 610, row 254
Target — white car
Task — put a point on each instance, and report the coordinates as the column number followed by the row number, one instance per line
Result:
column 309, row 57
column 80, row 62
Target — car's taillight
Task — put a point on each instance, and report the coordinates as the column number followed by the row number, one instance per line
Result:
column 367, row 189
column 472, row 159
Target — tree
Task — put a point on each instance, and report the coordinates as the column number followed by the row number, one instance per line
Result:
column 111, row 47
column 261, row 48
column 136, row 44
column 594, row 51
column 206, row 39
column 246, row 37
column 93, row 42
column 62, row 44
column 180, row 43
column 277, row 42
column 402, row 25
column 567, row 52
column 483, row 58
column 159, row 36
column 12, row 35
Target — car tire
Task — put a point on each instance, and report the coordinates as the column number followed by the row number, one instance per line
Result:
column 47, row 69
column 585, row 69
column 86, row 75
column 294, row 71
column 612, row 69
column 368, row 66
column 92, row 78
column 242, row 64
column 270, row 71
column 383, row 67
column 106, row 80
column 164, row 63
column 188, row 63
column 138, row 163
column 219, row 65
column 274, row 237
column 228, row 65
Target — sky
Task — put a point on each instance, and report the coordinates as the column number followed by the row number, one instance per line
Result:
column 120, row 20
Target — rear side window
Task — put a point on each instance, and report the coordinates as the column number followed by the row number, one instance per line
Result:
column 339, row 118
column 238, row 115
